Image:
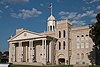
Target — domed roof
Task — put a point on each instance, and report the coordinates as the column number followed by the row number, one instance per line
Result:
column 51, row 18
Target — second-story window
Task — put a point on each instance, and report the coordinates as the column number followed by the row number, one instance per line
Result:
column 59, row 34
column 59, row 46
column 64, row 45
column 82, row 37
column 64, row 33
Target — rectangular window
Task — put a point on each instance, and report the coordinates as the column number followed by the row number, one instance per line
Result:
column 87, row 37
column 78, row 39
column 87, row 45
column 82, row 38
column 78, row 45
column 82, row 45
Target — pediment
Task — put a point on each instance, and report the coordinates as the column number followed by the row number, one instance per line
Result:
column 26, row 35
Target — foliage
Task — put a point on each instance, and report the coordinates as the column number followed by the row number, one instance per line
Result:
column 95, row 31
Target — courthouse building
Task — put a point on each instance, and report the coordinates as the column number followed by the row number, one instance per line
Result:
column 61, row 44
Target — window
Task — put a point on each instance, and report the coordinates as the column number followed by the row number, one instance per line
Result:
column 78, row 46
column 77, row 36
column 82, row 45
column 59, row 34
column 64, row 33
column 50, row 28
column 53, row 27
column 82, row 56
column 87, row 45
column 82, row 37
column 86, row 37
column 64, row 45
column 59, row 46
column 78, row 56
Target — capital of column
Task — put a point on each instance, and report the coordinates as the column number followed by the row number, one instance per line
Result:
column 20, row 43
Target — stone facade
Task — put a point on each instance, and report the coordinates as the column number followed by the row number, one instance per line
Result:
column 61, row 44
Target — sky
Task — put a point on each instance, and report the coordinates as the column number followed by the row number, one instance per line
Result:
column 33, row 14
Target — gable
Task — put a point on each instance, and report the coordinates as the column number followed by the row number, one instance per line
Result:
column 26, row 35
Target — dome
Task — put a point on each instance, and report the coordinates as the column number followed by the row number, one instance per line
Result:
column 51, row 18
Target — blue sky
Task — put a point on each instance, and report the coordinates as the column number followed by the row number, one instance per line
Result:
column 33, row 14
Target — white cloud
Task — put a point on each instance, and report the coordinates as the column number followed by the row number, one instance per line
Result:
column 91, row 1
column 93, row 20
column 26, row 13
column 41, row 4
column 63, row 13
column 6, row 6
column 67, row 15
column 77, row 18
column 75, row 15
column 1, row 11
column 78, row 23
column 86, row 8
column 15, row 1
column 98, row 7
column 90, row 13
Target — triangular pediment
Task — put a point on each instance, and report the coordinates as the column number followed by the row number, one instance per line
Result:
column 26, row 35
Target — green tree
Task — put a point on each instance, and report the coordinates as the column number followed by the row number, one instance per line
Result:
column 95, row 31
column 95, row 35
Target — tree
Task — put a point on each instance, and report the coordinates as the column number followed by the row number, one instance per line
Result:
column 95, row 31
column 0, row 55
column 95, row 35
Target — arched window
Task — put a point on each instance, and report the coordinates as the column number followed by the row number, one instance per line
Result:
column 87, row 37
column 59, row 46
column 50, row 28
column 59, row 34
column 78, row 38
column 53, row 27
column 64, row 33
column 82, row 56
column 78, row 56
column 82, row 37
column 64, row 45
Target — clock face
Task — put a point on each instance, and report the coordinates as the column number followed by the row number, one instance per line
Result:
column 25, row 34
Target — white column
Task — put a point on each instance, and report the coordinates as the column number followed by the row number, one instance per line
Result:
column 20, row 51
column 10, row 52
column 26, row 53
column 44, row 51
column 52, row 27
column 30, row 51
column 13, row 55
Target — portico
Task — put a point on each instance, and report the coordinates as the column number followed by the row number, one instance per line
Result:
column 36, row 49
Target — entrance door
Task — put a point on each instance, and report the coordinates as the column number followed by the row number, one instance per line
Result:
column 61, row 61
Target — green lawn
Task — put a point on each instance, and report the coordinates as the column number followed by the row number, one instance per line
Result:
column 50, row 66
column 95, row 66
column 41, row 66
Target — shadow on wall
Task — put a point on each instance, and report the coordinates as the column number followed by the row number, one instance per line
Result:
column 94, row 55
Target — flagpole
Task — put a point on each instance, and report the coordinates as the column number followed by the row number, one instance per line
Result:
column 51, row 8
